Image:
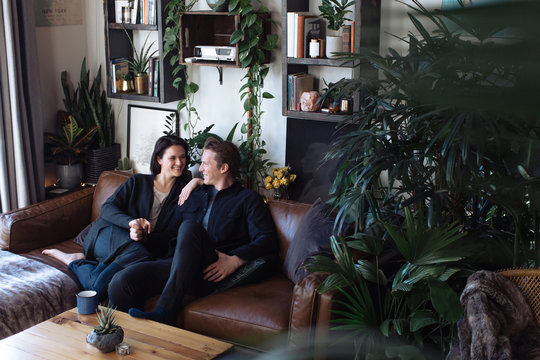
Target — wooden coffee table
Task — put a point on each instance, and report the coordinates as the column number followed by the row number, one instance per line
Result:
column 64, row 337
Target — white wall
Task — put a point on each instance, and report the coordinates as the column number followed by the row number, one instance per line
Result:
column 63, row 47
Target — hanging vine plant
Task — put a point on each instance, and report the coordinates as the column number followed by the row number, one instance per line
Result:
column 253, row 46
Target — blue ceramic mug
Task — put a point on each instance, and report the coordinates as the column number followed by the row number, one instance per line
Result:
column 87, row 302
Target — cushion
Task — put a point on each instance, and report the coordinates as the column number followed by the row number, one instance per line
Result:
column 311, row 238
column 79, row 239
column 248, row 273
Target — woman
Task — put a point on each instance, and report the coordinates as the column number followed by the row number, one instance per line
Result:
column 143, row 206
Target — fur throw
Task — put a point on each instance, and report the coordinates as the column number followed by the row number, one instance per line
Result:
column 497, row 322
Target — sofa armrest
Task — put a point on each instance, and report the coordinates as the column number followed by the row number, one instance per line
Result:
column 310, row 312
column 46, row 222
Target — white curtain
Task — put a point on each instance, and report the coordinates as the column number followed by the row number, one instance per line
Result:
column 21, row 134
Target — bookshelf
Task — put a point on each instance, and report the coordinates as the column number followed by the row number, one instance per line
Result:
column 117, row 46
column 367, row 15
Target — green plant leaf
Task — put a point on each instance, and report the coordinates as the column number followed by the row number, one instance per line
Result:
column 422, row 318
column 445, row 301
column 267, row 95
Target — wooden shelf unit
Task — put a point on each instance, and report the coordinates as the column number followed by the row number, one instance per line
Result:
column 367, row 16
column 117, row 45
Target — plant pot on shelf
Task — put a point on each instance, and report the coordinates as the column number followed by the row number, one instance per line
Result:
column 222, row 7
column 69, row 176
column 333, row 44
column 101, row 159
column 141, row 83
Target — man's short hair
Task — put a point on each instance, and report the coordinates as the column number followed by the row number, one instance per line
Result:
column 226, row 153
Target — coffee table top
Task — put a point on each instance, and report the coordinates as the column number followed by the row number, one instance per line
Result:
column 64, row 337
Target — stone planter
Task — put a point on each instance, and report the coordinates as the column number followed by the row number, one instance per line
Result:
column 101, row 159
column 105, row 343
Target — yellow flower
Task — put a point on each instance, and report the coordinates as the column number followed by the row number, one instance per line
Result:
column 268, row 179
column 285, row 181
column 279, row 174
column 274, row 171
column 268, row 186
column 292, row 177
column 276, row 184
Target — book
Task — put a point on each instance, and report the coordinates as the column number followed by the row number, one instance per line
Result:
column 134, row 11
column 120, row 67
column 156, row 76
column 150, row 76
column 118, row 5
column 145, row 9
column 346, row 37
column 291, row 36
column 300, row 35
column 352, row 35
column 290, row 90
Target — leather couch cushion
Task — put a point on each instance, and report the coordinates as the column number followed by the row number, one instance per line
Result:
column 108, row 182
column 286, row 216
column 239, row 313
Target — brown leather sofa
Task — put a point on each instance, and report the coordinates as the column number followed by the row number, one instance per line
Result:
column 263, row 315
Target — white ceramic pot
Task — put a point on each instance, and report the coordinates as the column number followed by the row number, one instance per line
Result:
column 333, row 44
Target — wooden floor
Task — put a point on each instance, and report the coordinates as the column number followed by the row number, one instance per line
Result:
column 64, row 337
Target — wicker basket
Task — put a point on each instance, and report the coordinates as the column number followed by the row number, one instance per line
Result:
column 528, row 281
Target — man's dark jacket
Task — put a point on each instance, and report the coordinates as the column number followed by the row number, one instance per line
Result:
column 240, row 222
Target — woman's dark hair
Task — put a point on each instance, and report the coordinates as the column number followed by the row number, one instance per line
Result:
column 162, row 144
column 226, row 153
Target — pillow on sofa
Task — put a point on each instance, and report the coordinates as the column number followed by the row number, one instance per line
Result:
column 79, row 239
column 311, row 238
column 253, row 271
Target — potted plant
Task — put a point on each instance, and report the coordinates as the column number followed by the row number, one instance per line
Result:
column 125, row 165
column 89, row 106
column 68, row 150
column 108, row 333
column 139, row 64
column 439, row 154
column 334, row 12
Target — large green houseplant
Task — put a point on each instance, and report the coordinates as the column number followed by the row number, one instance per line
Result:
column 442, row 144
column 89, row 105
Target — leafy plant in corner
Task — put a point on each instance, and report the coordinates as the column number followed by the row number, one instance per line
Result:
column 139, row 64
column 334, row 11
column 70, row 143
column 171, row 48
column 89, row 105
column 252, row 44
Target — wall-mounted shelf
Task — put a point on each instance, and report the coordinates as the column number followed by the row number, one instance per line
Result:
column 117, row 46
column 367, row 14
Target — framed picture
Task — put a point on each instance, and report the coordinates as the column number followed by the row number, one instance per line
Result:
column 144, row 126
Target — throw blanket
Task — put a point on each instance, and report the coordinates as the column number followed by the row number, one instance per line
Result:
column 497, row 322
column 31, row 292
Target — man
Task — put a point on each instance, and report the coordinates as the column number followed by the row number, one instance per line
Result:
column 223, row 226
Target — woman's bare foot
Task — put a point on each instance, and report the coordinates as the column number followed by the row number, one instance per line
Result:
column 62, row 256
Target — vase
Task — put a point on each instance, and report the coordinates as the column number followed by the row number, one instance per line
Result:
column 107, row 342
column 69, row 176
column 141, row 86
column 222, row 7
column 281, row 194
column 333, row 44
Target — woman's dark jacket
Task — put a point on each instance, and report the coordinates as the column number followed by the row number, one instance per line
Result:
column 133, row 199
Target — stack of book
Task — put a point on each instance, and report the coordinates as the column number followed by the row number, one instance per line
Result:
column 153, row 76
column 297, row 83
column 142, row 11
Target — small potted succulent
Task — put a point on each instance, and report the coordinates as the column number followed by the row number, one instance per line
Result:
column 108, row 333
column 125, row 165
column 334, row 12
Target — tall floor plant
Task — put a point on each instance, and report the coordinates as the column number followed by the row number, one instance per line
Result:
column 438, row 161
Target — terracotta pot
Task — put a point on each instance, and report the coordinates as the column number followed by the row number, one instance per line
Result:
column 141, row 83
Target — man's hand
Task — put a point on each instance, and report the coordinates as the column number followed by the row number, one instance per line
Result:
column 139, row 229
column 188, row 189
column 223, row 267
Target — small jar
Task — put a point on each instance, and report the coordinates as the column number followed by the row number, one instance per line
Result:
column 314, row 48
column 126, row 14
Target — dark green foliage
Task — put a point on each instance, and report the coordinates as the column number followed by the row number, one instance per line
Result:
column 439, row 166
column 334, row 11
column 89, row 106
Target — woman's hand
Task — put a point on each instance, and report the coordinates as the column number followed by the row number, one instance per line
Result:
column 139, row 229
column 188, row 189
